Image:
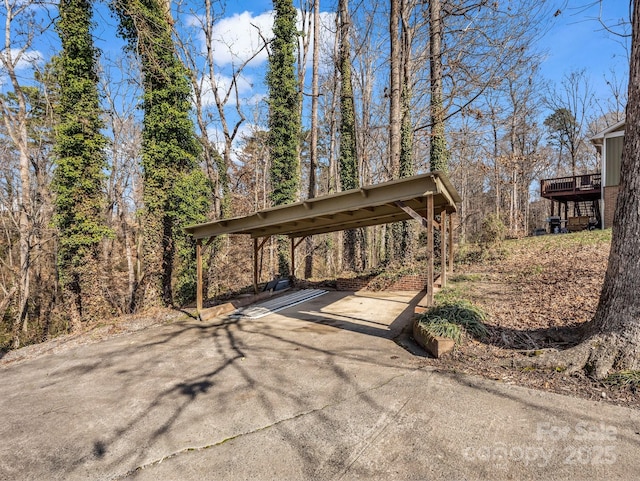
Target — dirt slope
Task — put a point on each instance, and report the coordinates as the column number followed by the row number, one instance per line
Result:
column 539, row 292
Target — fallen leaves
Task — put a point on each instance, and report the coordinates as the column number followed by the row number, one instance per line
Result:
column 539, row 293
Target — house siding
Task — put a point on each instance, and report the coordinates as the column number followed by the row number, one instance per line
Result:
column 613, row 160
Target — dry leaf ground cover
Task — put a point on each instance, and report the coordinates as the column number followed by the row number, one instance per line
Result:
column 538, row 293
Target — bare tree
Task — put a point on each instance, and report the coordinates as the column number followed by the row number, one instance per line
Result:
column 211, row 87
column 571, row 105
column 395, row 88
column 124, row 184
column 470, row 175
column 610, row 109
column 21, row 28
column 313, row 147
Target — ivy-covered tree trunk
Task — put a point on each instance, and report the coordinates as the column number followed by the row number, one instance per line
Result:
column 439, row 152
column 347, row 160
column 403, row 241
column 284, row 120
column 80, row 168
column 404, row 244
column 175, row 191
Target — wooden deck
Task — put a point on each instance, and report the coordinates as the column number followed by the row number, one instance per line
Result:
column 577, row 188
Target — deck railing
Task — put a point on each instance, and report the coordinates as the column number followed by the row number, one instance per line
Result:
column 571, row 184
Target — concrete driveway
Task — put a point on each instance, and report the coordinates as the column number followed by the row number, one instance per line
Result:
column 318, row 391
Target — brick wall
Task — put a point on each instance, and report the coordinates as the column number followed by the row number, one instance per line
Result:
column 610, row 197
column 405, row 283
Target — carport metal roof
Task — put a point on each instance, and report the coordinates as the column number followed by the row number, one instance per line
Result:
column 366, row 206
column 420, row 197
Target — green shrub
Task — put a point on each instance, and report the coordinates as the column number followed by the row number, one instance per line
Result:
column 439, row 327
column 454, row 318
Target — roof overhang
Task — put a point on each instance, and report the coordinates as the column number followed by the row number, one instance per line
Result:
column 366, row 206
column 598, row 139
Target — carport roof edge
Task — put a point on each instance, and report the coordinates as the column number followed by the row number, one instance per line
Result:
column 368, row 205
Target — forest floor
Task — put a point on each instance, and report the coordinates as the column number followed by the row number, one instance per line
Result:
column 538, row 293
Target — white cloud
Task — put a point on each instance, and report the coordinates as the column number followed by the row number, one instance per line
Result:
column 246, row 130
column 21, row 59
column 241, row 36
column 255, row 99
column 243, row 84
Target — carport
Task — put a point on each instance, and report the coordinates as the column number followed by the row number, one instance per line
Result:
column 421, row 197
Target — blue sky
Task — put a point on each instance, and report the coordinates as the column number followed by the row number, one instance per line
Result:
column 576, row 40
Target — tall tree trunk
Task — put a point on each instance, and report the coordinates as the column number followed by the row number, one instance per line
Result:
column 16, row 123
column 496, row 161
column 24, row 243
column 284, row 121
column 439, row 153
column 613, row 336
column 395, row 232
column 175, row 191
column 348, row 161
column 617, row 319
column 405, row 243
column 79, row 147
column 395, row 89
column 313, row 154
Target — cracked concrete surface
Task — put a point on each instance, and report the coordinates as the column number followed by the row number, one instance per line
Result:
column 318, row 391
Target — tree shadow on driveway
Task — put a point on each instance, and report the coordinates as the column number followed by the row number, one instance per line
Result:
column 192, row 385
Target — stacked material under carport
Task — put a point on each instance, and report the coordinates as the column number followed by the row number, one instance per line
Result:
column 421, row 197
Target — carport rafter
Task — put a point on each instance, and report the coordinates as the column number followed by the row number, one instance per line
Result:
column 419, row 197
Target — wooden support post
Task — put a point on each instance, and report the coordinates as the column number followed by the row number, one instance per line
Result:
column 256, row 252
column 292, row 277
column 429, row 214
column 199, row 276
column 443, row 249
column 451, row 256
